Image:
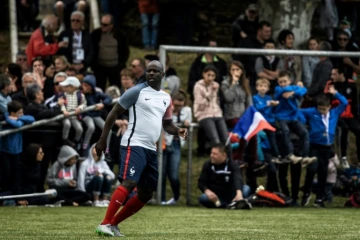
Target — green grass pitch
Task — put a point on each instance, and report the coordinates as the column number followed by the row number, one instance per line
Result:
column 178, row 222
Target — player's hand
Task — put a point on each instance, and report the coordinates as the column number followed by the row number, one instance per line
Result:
column 183, row 132
column 100, row 147
column 332, row 90
column 211, row 195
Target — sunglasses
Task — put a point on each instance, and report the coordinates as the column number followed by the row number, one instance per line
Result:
column 57, row 83
column 343, row 39
column 75, row 20
column 22, row 59
column 105, row 24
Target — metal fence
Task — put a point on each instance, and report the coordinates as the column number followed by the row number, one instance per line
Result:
column 188, row 49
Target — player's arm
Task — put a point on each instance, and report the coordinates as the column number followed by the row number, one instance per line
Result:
column 109, row 123
column 170, row 127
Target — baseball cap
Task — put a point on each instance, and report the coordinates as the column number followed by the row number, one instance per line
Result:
column 252, row 7
column 73, row 81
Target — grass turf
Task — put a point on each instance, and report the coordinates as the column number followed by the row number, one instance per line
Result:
column 156, row 222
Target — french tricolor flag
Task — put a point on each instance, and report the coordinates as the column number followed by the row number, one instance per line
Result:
column 250, row 123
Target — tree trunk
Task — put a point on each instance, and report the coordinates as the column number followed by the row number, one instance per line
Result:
column 294, row 15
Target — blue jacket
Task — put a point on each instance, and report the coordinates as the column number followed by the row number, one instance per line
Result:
column 95, row 97
column 318, row 133
column 260, row 103
column 12, row 143
column 288, row 108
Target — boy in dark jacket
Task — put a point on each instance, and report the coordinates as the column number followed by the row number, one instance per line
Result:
column 11, row 145
column 93, row 118
column 322, row 122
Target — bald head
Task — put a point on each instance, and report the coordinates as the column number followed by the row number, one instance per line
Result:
column 157, row 65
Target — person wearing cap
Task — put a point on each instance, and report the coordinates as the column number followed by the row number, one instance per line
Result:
column 245, row 25
column 93, row 118
column 74, row 101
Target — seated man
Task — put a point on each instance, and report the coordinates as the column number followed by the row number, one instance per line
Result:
column 221, row 183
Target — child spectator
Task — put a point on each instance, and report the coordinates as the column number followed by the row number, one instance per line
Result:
column 309, row 62
column 5, row 90
column 62, row 176
column 95, row 177
column 331, row 177
column 264, row 104
column 322, row 122
column 172, row 153
column 11, row 145
column 207, row 109
column 74, row 101
column 269, row 66
column 93, row 118
column 287, row 115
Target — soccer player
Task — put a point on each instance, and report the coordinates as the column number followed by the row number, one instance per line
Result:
column 149, row 110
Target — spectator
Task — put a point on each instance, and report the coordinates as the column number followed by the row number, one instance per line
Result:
column 93, row 118
column 309, row 62
column 74, row 101
column 237, row 95
column 321, row 74
column 54, row 100
column 184, row 12
column 27, row 12
column 150, row 15
column 11, row 145
column 138, row 69
column 287, row 115
column 15, row 74
column 42, row 41
column 78, row 51
column 221, row 183
column 269, row 66
column 36, row 108
column 63, row 8
column 321, row 137
column 111, row 51
column 265, row 105
column 172, row 153
column 351, row 66
column 263, row 33
column 49, row 74
column 38, row 71
column 171, row 82
column 206, row 107
column 150, row 57
column 197, row 67
column 328, row 17
column 71, row 72
column 61, row 64
column 245, row 26
column 21, row 60
column 127, row 79
column 331, row 177
column 62, row 176
column 292, row 64
column 29, row 176
column 95, row 178
column 5, row 85
column 349, row 118
column 20, row 96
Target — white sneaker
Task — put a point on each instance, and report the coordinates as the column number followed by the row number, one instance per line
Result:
column 105, row 230
column 116, row 231
column 163, row 203
column 294, row 159
column 171, row 202
column 344, row 163
column 98, row 203
column 105, row 203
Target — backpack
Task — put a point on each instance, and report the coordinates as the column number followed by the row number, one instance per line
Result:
column 264, row 198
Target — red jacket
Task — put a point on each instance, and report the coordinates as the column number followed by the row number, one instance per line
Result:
column 37, row 47
column 148, row 6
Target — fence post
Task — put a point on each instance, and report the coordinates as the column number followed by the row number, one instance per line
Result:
column 13, row 30
column 189, row 166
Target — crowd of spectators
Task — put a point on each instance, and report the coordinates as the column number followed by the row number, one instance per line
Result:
column 65, row 69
